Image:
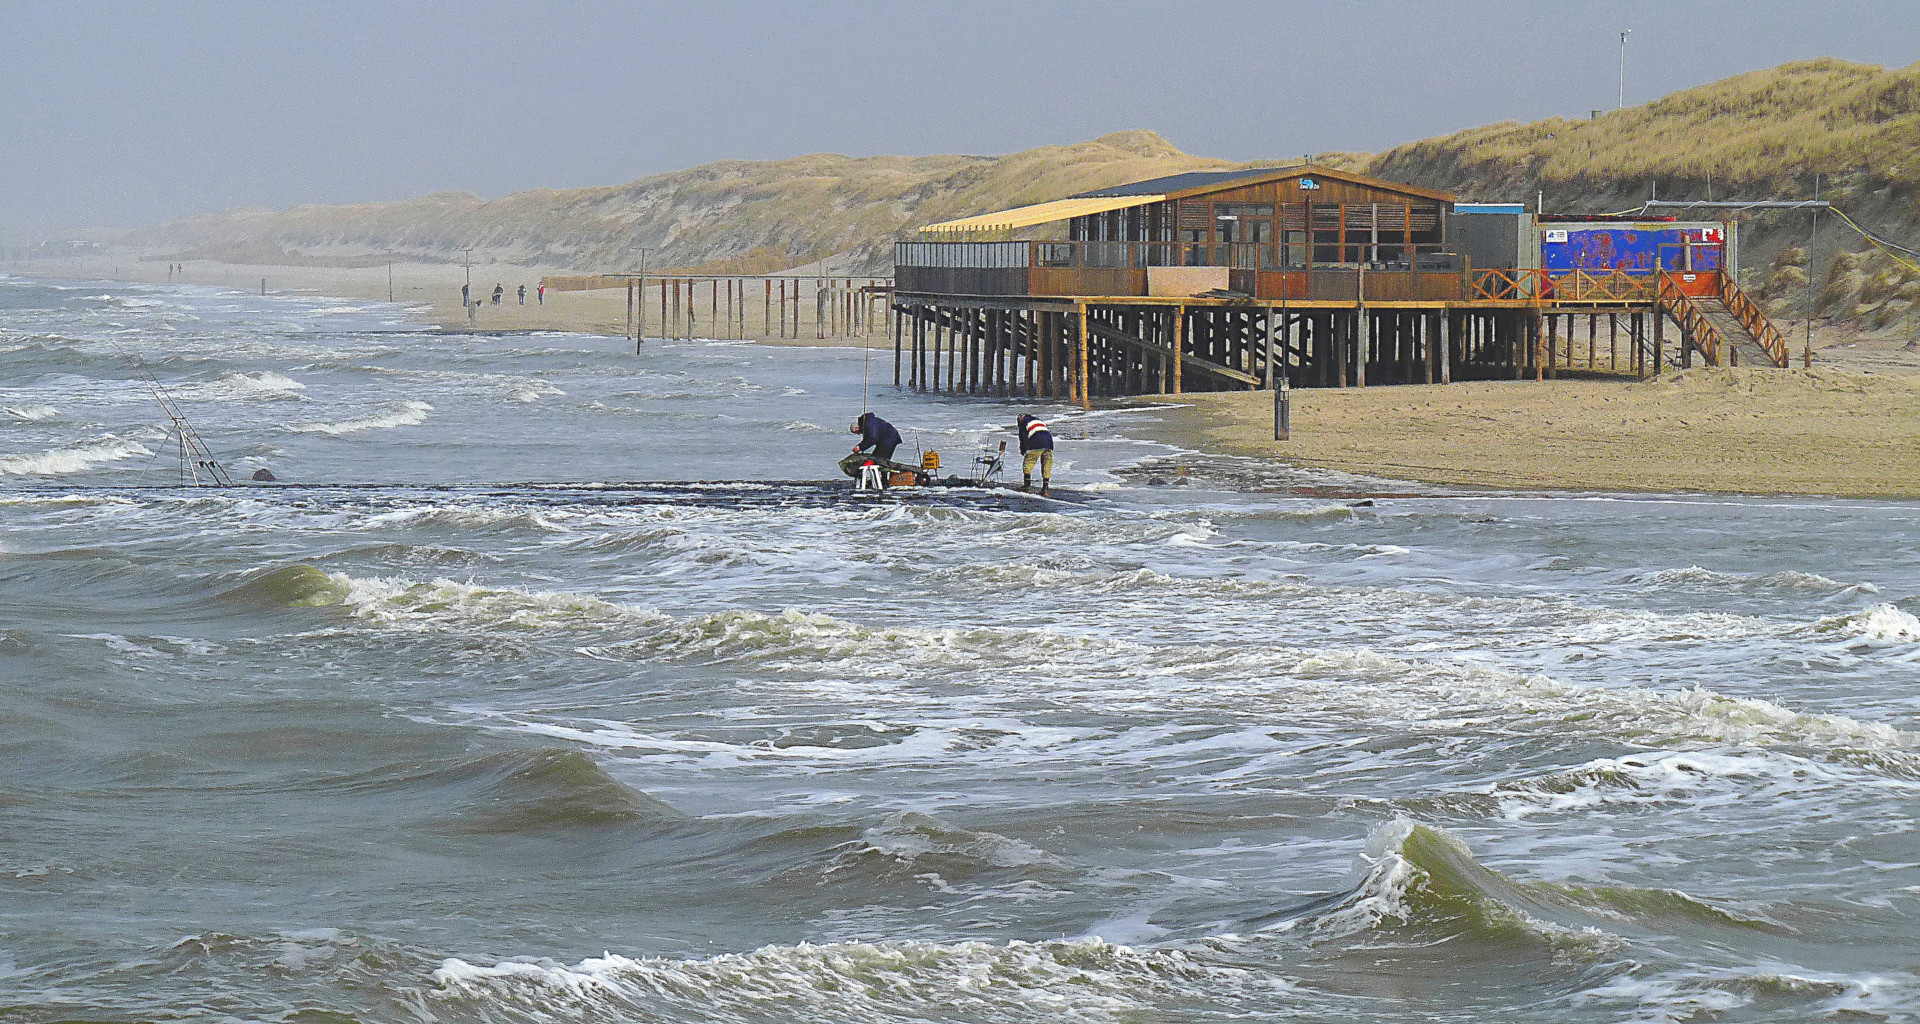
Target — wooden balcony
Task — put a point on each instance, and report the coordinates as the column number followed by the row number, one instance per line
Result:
column 1112, row 271
column 1109, row 270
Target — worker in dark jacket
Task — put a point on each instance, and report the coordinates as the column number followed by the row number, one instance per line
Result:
column 1036, row 449
column 878, row 440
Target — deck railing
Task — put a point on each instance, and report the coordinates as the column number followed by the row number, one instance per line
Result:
column 1695, row 328
column 1755, row 321
column 1140, row 255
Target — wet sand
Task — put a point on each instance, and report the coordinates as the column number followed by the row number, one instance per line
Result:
column 1749, row 431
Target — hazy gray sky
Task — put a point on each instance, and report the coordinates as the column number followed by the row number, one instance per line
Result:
column 117, row 114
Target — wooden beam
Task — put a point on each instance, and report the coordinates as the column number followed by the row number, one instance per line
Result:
column 1115, row 334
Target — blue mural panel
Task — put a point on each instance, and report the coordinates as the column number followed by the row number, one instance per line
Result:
column 1630, row 248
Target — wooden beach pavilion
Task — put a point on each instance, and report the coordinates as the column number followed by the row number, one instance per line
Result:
column 1321, row 278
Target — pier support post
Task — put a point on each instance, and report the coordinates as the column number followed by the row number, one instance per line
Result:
column 1085, row 402
column 1179, row 346
column 1363, row 344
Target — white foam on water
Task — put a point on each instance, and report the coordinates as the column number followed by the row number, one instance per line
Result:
column 400, row 414
column 1352, row 687
column 1883, row 622
column 252, row 386
column 31, row 412
column 1073, row 979
column 1697, row 993
column 77, row 459
column 1697, row 779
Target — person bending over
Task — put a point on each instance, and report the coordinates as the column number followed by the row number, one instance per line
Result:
column 1036, row 449
column 878, row 440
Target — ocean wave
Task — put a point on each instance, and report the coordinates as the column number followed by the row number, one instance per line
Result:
column 1422, row 879
column 1882, row 622
column 30, row 412
column 1695, row 577
column 914, row 847
column 1651, row 779
column 1081, row 979
column 399, row 414
column 1354, row 684
column 516, row 791
column 77, row 459
column 252, row 386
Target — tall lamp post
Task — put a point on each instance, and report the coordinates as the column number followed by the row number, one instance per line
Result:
column 1622, row 103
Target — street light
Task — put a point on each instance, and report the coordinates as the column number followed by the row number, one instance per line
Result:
column 1622, row 104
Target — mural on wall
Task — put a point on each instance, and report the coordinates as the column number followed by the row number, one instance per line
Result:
column 1639, row 248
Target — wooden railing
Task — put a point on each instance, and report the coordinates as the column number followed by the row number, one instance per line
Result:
column 1613, row 286
column 1755, row 321
column 1507, row 285
column 1694, row 326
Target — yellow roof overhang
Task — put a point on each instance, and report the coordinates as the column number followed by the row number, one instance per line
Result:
column 1042, row 213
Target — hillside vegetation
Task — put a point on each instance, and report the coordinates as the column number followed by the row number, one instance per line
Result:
column 1762, row 134
column 1765, row 131
column 783, row 212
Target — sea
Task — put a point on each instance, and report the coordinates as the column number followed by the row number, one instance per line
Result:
column 559, row 681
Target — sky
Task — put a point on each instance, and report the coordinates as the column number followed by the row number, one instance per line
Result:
column 115, row 115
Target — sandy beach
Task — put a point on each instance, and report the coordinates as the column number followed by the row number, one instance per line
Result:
column 1750, row 431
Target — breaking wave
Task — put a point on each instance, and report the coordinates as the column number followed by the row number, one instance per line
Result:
column 1352, row 684
column 1080, row 979
column 400, row 414
column 77, row 459
column 1420, row 880
column 252, row 386
column 1881, row 622
column 31, row 412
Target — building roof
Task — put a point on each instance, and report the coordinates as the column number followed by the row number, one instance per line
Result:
column 1180, row 186
column 1043, row 213
column 1153, row 190
column 1187, row 182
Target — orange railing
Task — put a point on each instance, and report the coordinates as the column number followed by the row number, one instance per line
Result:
column 1613, row 286
column 1694, row 326
column 1755, row 321
column 1509, row 285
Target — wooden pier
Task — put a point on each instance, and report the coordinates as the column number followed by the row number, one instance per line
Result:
column 733, row 306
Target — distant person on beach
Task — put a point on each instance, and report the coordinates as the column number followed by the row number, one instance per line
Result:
column 1036, row 449
column 465, row 295
column 498, row 290
column 523, row 295
column 878, row 440
column 543, row 293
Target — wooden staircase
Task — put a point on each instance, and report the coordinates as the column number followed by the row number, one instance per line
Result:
column 1723, row 326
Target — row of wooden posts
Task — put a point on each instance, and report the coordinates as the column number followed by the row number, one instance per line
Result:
column 843, row 307
column 1092, row 350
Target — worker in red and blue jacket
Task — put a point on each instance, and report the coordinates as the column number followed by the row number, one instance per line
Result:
column 1036, row 449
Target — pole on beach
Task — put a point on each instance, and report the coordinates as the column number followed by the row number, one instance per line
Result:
column 1283, row 411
